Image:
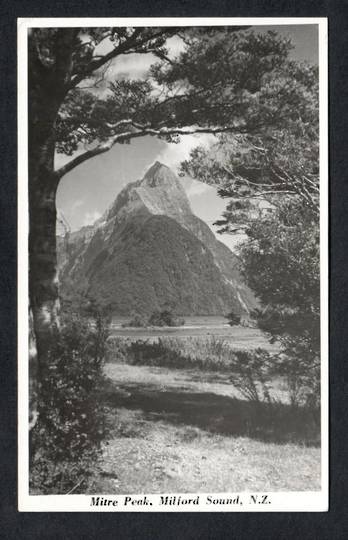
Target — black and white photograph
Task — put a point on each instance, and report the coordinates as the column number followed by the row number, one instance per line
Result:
column 173, row 253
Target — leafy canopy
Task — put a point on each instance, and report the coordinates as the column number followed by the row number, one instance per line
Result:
column 221, row 79
column 271, row 182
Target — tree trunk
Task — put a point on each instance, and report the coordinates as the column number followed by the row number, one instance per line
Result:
column 43, row 285
column 48, row 78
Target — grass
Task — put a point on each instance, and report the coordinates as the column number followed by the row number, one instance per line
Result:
column 179, row 431
column 181, row 422
column 237, row 337
column 210, row 353
column 215, row 406
column 147, row 456
column 263, row 407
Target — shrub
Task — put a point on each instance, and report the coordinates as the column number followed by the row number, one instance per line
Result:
column 251, row 375
column 71, row 425
column 158, row 318
column 164, row 318
column 300, row 367
column 211, row 354
column 233, row 319
column 137, row 321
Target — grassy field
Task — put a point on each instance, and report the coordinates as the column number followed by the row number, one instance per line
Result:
column 182, row 430
column 207, row 353
column 196, row 328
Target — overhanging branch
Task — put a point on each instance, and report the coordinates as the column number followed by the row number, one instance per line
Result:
column 133, row 42
column 137, row 131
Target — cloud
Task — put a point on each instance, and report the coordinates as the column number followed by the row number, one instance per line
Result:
column 77, row 204
column 62, row 159
column 132, row 65
column 197, row 188
column 136, row 65
column 173, row 154
column 175, row 46
column 91, row 217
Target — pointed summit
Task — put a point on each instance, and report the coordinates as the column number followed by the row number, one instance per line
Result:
column 159, row 191
column 155, row 168
column 158, row 175
column 162, row 192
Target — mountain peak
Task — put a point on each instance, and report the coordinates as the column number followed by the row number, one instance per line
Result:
column 158, row 175
column 159, row 191
column 155, row 168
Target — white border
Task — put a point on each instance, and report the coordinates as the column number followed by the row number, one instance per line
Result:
column 279, row 501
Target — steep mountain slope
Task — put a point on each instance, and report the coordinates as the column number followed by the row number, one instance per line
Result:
column 149, row 251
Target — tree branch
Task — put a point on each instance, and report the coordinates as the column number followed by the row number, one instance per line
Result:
column 142, row 132
column 271, row 192
column 155, row 52
column 121, row 49
column 127, row 121
column 249, row 182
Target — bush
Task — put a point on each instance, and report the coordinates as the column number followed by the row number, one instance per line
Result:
column 233, row 319
column 137, row 321
column 158, row 318
column 300, row 367
column 252, row 376
column 164, row 318
column 209, row 354
column 71, row 426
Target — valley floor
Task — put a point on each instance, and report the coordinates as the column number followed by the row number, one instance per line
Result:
column 177, row 431
column 239, row 337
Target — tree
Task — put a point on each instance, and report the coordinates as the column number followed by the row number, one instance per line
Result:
column 280, row 161
column 220, row 82
column 271, row 181
column 233, row 319
column 164, row 318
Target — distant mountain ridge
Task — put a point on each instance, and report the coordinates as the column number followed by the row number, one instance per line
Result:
column 149, row 251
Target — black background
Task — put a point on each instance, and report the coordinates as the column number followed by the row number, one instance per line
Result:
column 331, row 525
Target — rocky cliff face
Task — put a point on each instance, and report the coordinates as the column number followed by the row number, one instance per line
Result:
column 149, row 251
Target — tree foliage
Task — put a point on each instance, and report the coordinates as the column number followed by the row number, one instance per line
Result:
column 280, row 161
column 233, row 318
column 271, row 182
column 164, row 318
column 72, row 421
column 222, row 79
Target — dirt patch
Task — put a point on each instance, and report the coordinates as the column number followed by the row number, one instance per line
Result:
column 156, row 457
column 168, row 436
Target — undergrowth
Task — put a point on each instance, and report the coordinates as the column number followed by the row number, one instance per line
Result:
column 252, row 373
column 65, row 443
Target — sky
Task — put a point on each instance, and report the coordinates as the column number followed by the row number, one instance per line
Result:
column 86, row 192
